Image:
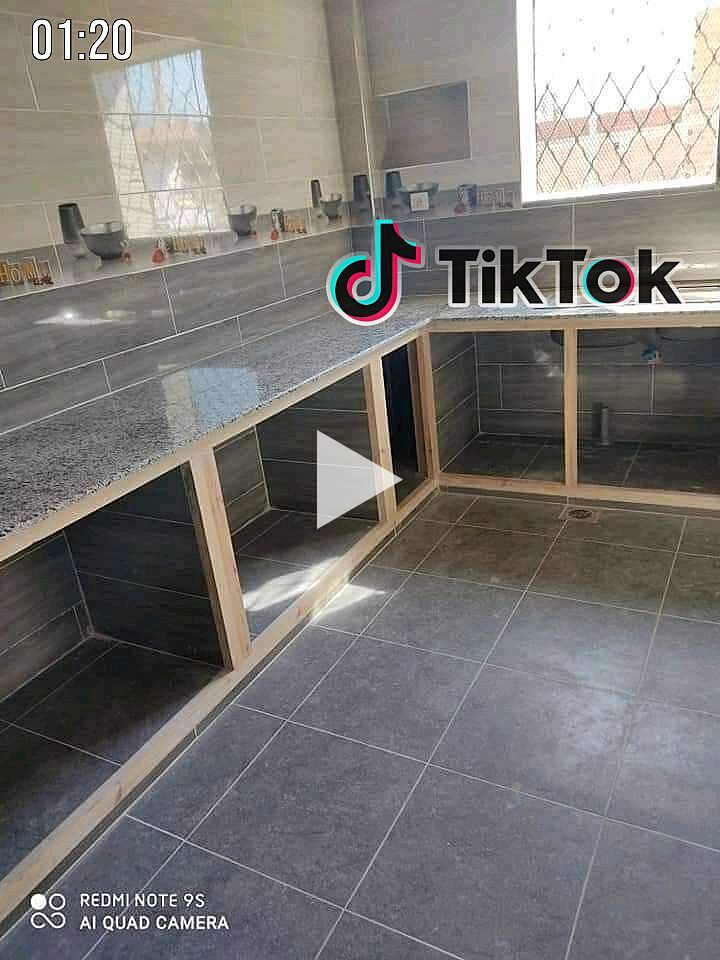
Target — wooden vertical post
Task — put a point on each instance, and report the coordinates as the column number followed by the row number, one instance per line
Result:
column 427, row 403
column 374, row 383
column 570, row 339
column 213, row 534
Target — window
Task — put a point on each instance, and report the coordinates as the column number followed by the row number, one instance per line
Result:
column 617, row 96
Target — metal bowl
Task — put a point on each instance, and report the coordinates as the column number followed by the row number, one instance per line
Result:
column 331, row 205
column 242, row 219
column 429, row 187
column 105, row 240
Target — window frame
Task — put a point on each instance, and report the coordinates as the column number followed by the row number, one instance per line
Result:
column 529, row 194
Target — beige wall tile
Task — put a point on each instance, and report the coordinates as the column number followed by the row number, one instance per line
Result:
column 300, row 148
column 15, row 89
column 214, row 21
column 290, row 194
column 62, row 84
column 318, row 94
column 23, row 227
column 52, row 156
column 237, row 149
column 243, row 83
column 78, row 9
column 296, row 27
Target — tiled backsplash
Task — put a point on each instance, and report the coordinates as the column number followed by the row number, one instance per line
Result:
column 218, row 104
column 74, row 344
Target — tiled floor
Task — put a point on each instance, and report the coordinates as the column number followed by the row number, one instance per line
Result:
column 69, row 729
column 647, row 466
column 500, row 742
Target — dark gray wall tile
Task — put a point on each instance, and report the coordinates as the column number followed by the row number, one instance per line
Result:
column 306, row 261
column 457, row 430
column 279, row 316
column 164, row 498
column 156, row 553
column 690, row 390
column 679, row 223
column 686, row 345
column 172, row 622
column 238, row 464
column 50, row 331
column 35, row 653
column 624, row 389
column 160, row 358
column 528, row 230
column 445, row 346
column 246, row 507
column 346, row 394
column 522, row 422
column 293, row 486
column 222, row 287
column 34, row 588
column 489, row 385
column 658, row 429
column 42, row 398
column 618, row 347
column 537, row 387
column 454, row 382
column 521, row 347
column 417, row 283
column 291, row 435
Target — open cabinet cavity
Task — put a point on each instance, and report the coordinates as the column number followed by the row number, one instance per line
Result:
column 108, row 632
column 269, row 481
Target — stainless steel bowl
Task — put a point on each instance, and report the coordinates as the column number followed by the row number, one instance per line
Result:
column 105, row 240
column 242, row 219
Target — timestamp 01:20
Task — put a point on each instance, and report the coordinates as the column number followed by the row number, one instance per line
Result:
column 117, row 32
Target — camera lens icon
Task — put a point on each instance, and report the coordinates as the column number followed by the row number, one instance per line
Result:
column 48, row 911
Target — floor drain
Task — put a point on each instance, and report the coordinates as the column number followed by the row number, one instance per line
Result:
column 585, row 514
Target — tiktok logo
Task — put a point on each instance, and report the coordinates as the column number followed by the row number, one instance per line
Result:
column 379, row 304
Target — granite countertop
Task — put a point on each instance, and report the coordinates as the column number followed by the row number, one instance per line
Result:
column 59, row 461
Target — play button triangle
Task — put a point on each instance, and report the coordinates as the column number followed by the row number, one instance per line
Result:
column 345, row 479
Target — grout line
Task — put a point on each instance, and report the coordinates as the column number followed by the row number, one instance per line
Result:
column 632, row 463
column 28, row 75
column 583, row 891
column 35, row 630
column 145, row 586
column 157, row 651
column 454, row 409
column 454, row 357
column 261, row 534
column 81, row 591
column 64, row 743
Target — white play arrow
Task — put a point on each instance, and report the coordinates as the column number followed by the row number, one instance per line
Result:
column 345, row 479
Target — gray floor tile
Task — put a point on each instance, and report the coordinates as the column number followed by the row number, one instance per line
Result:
column 188, row 789
column 355, row 606
column 549, row 464
column 517, row 515
column 695, row 588
column 495, row 458
column 481, row 872
column 295, row 671
column 313, row 810
column 487, row 556
column 694, row 469
column 702, row 536
column 606, row 465
column 552, row 739
column 119, row 702
column 649, row 898
column 357, row 939
column 49, row 680
column 407, row 550
column 628, row 528
column 296, row 539
column 267, row 920
column 684, row 667
column 670, row 777
column 122, row 861
column 585, row 642
column 269, row 588
column 447, row 616
column 390, row 696
column 251, row 531
column 447, row 507
column 42, row 783
column 605, row 573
